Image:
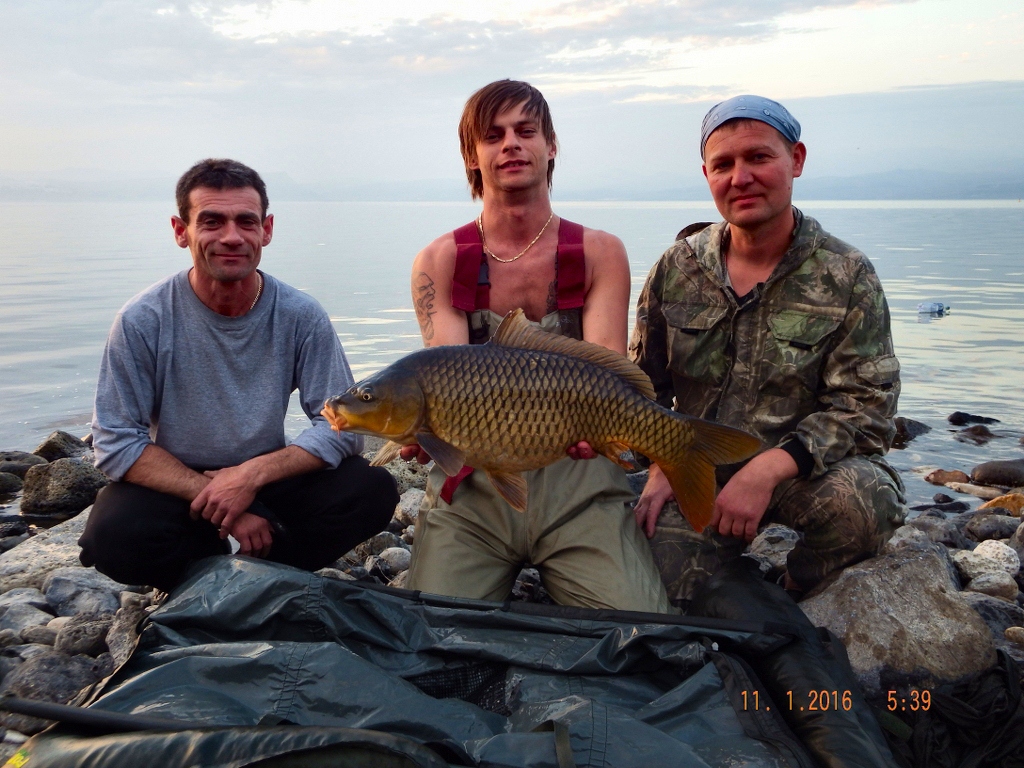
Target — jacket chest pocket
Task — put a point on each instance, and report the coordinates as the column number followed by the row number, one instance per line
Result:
column 698, row 338
column 795, row 349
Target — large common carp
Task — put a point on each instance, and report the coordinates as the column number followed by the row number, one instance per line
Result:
column 517, row 402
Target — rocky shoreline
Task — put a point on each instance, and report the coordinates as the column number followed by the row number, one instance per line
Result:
column 933, row 607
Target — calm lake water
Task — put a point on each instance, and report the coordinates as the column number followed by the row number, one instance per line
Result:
column 69, row 267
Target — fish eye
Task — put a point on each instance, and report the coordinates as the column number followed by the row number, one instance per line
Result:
column 366, row 395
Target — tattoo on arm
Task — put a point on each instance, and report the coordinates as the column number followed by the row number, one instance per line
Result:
column 423, row 295
column 552, row 296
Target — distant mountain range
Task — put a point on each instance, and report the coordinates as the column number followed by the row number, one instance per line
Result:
column 891, row 185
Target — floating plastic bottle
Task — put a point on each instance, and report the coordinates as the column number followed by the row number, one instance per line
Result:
column 932, row 308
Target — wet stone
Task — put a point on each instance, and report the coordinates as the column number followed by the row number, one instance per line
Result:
column 907, row 430
column 977, row 435
column 1008, row 473
column 18, row 462
column 960, row 418
column 942, row 498
column 9, row 484
column 945, row 507
column 61, row 445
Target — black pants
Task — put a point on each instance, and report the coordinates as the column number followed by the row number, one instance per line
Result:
column 139, row 536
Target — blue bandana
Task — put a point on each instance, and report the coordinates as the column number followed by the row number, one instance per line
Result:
column 749, row 108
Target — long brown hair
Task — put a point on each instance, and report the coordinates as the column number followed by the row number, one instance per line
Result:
column 486, row 104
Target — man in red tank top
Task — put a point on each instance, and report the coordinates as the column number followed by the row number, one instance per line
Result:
column 578, row 529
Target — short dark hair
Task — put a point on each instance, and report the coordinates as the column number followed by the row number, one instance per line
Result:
column 218, row 173
column 486, row 104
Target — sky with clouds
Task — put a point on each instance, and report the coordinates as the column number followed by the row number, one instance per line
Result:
column 349, row 92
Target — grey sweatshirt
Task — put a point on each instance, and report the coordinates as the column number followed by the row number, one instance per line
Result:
column 213, row 390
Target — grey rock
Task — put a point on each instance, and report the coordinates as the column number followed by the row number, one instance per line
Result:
column 901, row 613
column 28, row 564
column 941, row 531
column 408, row 474
column 945, row 507
column 377, row 544
column 21, row 616
column 61, row 445
column 50, row 676
column 71, row 590
column 907, row 537
column 18, row 462
column 58, row 622
column 1016, row 542
column 907, row 430
column 999, row 584
column 1015, row 635
column 64, row 487
column 86, row 634
column 9, row 484
column 961, row 520
column 942, row 498
column 9, row 637
column 986, row 525
column 409, row 535
column 408, row 508
column 773, row 545
column 1006, row 473
column 23, row 595
column 397, row 559
column 529, row 588
column 13, row 655
column 41, row 635
column 997, row 614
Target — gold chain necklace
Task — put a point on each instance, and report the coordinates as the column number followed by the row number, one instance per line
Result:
column 258, row 292
column 489, row 252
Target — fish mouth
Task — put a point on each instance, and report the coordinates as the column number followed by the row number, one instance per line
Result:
column 336, row 420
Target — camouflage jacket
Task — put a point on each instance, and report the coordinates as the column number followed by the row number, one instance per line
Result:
column 810, row 359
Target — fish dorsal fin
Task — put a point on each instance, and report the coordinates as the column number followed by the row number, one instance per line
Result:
column 517, row 332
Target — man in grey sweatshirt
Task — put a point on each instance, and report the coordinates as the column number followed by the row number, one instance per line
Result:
column 190, row 405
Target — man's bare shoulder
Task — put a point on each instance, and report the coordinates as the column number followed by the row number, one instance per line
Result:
column 438, row 256
column 603, row 247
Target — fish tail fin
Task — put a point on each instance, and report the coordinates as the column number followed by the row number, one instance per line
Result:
column 693, row 477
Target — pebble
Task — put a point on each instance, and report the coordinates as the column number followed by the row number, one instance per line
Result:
column 998, row 584
column 377, row 544
column 45, row 635
column 408, row 508
column 1015, row 635
column 58, row 622
column 1001, row 553
column 942, row 498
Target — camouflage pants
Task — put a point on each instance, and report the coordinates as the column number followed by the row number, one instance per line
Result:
column 844, row 516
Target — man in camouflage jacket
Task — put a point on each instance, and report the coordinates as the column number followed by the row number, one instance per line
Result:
column 767, row 323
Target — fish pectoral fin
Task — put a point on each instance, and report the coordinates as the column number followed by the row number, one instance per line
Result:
column 693, row 483
column 387, row 453
column 449, row 458
column 511, row 486
column 614, row 452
